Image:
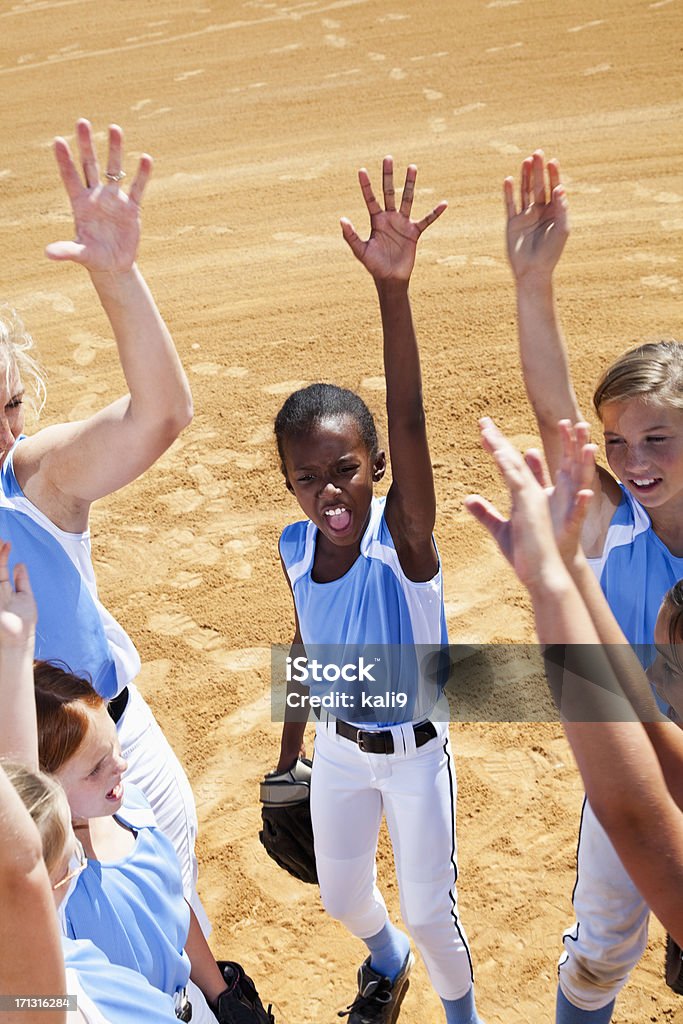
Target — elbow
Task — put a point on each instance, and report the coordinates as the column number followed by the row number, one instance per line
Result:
column 186, row 414
column 178, row 419
column 23, row 872
column 620, row 817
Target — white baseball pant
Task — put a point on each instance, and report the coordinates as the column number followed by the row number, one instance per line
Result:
column 155, row 769
column 609, row 935
column 416, row 790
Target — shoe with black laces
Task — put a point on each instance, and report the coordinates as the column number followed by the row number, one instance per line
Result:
column 379, row 999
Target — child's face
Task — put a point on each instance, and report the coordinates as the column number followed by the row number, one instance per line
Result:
column 644, row 447
column 665, row 672
column 331, row 473
column 11, row 409
column 92, row 776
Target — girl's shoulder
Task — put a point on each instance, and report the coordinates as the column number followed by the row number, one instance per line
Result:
column 297, row 547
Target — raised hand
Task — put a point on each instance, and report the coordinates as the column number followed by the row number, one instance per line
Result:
column 570, row 498
column 544, row 523
column 538, row 230
column 389, row 252
column 106, row 220
column 18, row 613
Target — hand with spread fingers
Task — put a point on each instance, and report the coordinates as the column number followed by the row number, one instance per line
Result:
column 18, row 613
column 106, row 220
column 389, row 252
column 544, row 525
column 538, row 229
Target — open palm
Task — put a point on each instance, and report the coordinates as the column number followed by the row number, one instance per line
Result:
column 538, row 230
column 106, row 220
column 542, row 519
column 389, row 252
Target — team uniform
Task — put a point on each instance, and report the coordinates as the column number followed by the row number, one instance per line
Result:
column 109, row 994
column 133, row 909
column 74, row 628
column 610, row 933
column 413, row 782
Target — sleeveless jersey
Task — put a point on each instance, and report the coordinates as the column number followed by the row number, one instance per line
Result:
column 375, row 613
column 120, row 995
column 133, row 909
column 73, row 626
column 635, row 571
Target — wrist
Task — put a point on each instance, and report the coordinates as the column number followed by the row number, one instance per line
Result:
column 577, row 566
column 18, row 648
column 551, row 585
column 535, row 282
column 287, row 761
column 391, row 287
column 114, row 282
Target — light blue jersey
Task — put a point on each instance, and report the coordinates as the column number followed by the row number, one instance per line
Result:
column 133, row 908
column 635, row 571
column 73, row 627
column 373, row 611
column 122, row 996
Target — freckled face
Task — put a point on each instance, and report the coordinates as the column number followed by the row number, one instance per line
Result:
column 331, row 473
column 92, row 776
column 644, row 447
column 12, row 414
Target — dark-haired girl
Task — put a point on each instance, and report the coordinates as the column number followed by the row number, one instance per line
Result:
column 365, row 571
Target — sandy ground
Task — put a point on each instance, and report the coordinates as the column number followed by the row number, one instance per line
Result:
column 258, row 115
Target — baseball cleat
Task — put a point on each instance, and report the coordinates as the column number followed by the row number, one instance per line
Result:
column 379, row 999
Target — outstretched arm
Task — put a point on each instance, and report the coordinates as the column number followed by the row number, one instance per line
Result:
column 536, row 235
column 537, row 231
column 619, row 764
column 389, row 256
column 64, row 468
column 18, row 724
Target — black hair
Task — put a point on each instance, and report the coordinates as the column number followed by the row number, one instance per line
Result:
column 308, row 406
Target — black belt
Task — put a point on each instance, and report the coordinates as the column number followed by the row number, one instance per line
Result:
column 381, row 741
column 118, row 705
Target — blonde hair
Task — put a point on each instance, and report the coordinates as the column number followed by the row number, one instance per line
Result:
column 46, row 802
column 652, row 372
column 15, row 346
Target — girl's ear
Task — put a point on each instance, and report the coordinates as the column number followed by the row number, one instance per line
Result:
column 379, row 467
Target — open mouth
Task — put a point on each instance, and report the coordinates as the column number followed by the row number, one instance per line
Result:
column 338, row 518
column 116, row 793
column 644, row 485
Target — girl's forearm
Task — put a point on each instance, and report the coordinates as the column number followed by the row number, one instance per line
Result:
column 401, row 353
column 160, row 393
column 18, row 723
column 545, row 364
column 205, row 972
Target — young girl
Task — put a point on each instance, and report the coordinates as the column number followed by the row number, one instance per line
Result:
column 366, row 571
column 632, row 768
column 129, row 899
column 49, row 480
column 40, row 962
column 633, row 536
column 41, row 865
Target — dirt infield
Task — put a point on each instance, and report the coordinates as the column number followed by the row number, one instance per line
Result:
column 258, row 115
